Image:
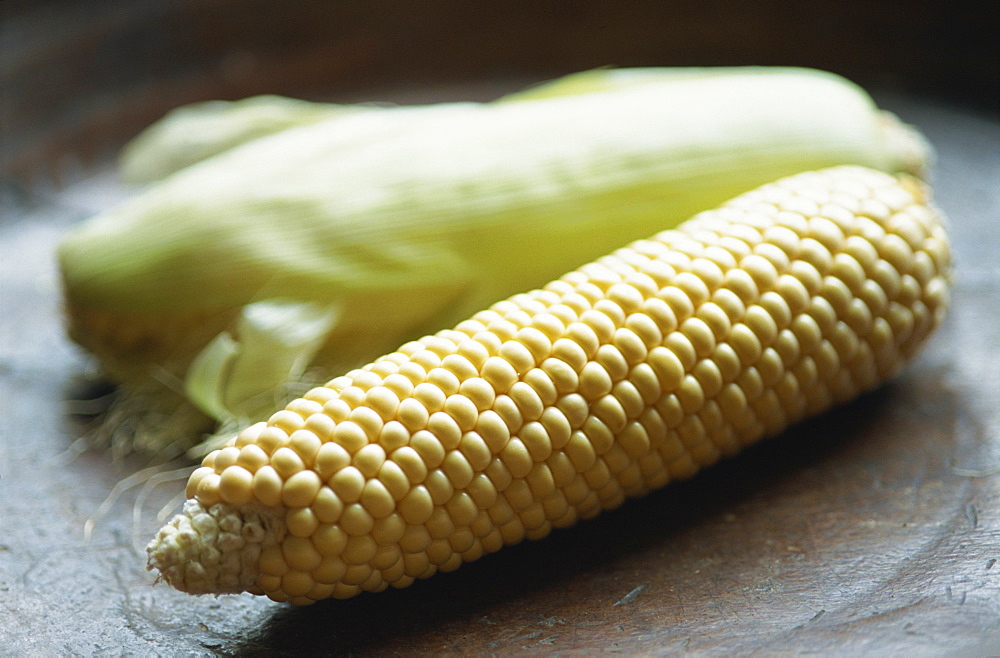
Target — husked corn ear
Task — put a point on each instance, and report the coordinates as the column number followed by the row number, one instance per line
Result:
column 633, row 371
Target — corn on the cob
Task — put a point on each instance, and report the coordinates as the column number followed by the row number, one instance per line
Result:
column 628, row 373
column 398, row 221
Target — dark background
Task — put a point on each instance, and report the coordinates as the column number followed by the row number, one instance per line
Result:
column 66, row 63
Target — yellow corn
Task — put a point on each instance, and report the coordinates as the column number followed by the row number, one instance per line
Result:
column 633, row 371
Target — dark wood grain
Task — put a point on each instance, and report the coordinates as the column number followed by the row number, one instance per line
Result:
column 873, row 529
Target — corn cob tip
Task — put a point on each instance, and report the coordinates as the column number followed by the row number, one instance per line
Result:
column 214, row 550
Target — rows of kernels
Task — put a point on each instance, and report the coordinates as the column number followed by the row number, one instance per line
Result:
column 633, row 371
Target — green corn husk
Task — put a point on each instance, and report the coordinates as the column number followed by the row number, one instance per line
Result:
column 329, row 241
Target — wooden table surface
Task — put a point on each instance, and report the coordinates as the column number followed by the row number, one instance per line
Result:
column 873, row 529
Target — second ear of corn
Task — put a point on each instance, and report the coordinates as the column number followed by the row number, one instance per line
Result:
column 364, row 227
column 623, row 375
